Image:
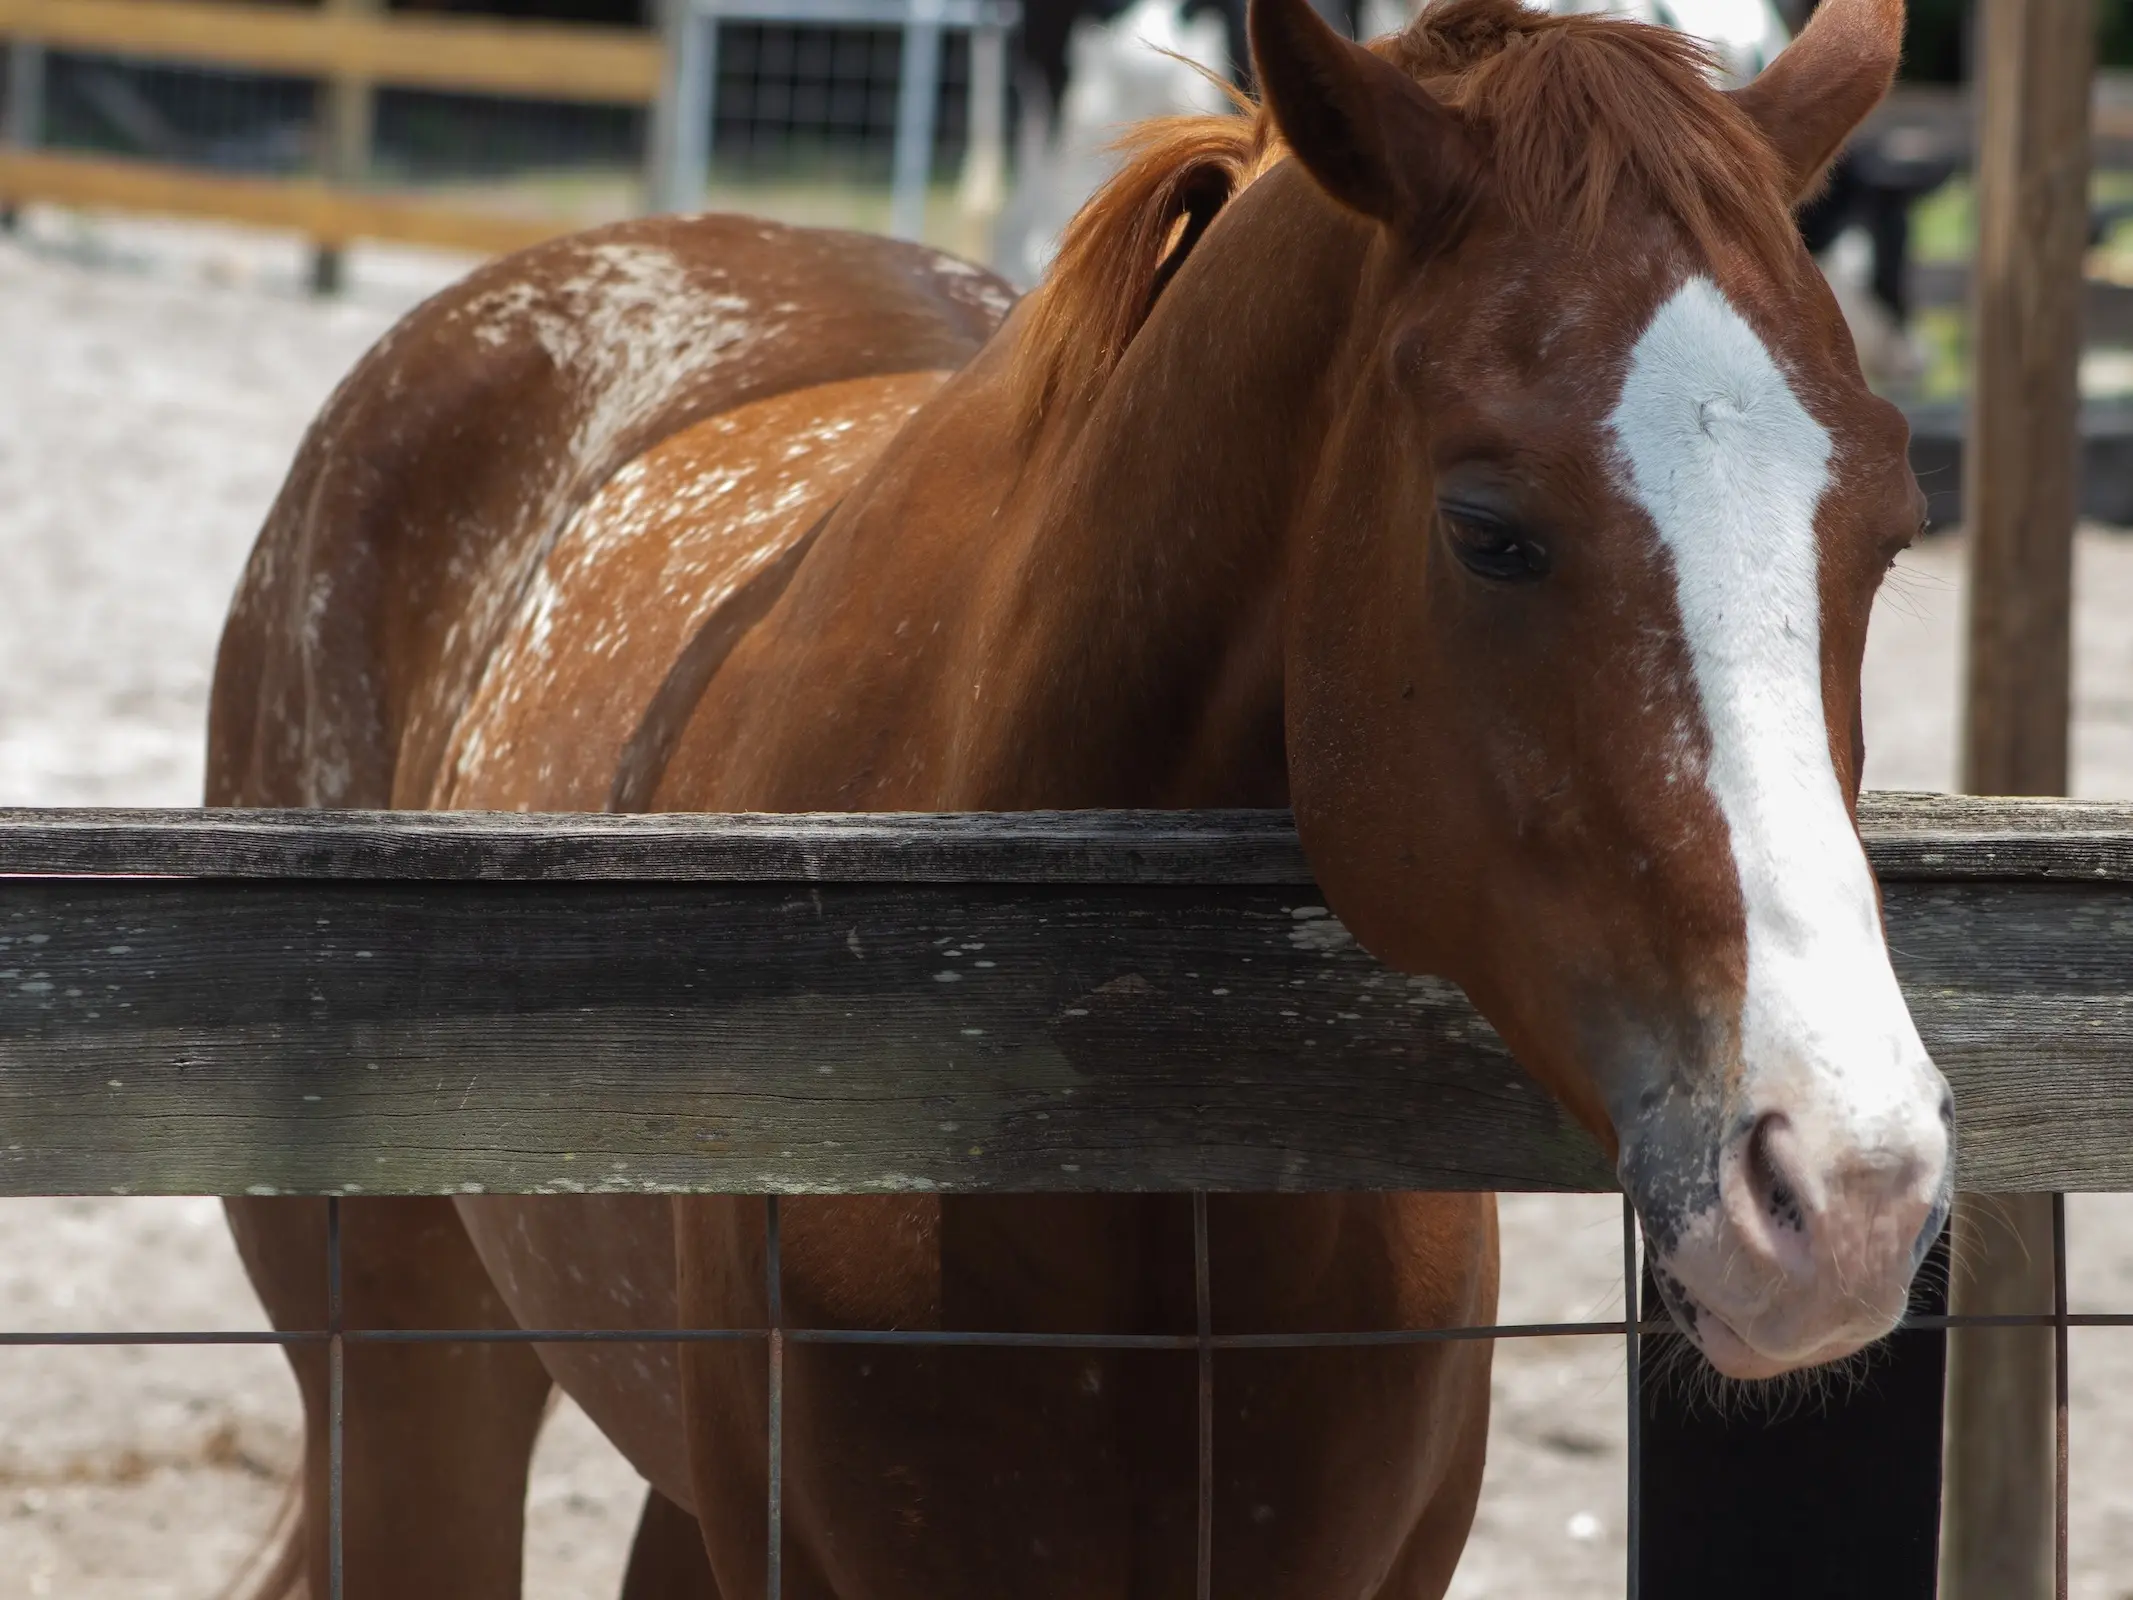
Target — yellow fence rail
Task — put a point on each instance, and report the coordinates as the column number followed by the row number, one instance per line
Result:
column 545, row 61
column 330, row 217
column 342, row 45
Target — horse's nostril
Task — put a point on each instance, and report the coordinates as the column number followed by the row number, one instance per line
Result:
column 1947, row 1109
column 1774, row 1192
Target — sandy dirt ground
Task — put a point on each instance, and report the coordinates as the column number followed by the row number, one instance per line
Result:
column 154, row 381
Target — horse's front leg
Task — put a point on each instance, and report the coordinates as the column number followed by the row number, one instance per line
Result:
column 438, row 1436
column 914, row 1472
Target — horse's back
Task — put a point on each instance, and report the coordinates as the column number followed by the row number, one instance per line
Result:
column 637, row 602
column 403, row 548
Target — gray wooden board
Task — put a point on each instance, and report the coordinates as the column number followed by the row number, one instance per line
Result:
column 203, row 1036
column 217, row 1037
column 1011, row 847
column 1908, row 835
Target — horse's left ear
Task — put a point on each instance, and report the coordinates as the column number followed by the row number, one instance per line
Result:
column 1375, row 140
column 1824, row 83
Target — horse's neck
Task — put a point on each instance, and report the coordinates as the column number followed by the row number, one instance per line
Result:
column 1084, row 613
column 1143, row 639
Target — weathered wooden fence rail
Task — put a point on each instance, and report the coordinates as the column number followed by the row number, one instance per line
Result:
column 354, row 47
column 339, row 43
column 216, row 1002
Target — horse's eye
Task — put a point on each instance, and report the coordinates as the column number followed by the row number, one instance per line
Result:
column 1490, row 547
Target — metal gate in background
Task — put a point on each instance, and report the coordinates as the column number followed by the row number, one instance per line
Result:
column 339, row 120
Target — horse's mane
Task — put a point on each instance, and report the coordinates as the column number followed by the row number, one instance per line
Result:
column 1575, row 111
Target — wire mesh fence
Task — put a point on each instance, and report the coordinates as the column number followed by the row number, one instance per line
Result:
column 809, row 103
column 823, row 100
column 231, row 121
column 1157, row 986
column 778, row 1334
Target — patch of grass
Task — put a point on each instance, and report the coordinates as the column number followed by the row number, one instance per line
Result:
column 1944, row 223
column 1943, row 332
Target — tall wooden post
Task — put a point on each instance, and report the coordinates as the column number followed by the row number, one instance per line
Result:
column 347, row 121
column 2021, row 488
column 984, row 184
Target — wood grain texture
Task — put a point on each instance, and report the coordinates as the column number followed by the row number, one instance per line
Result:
column 2021, row 477
column 1912, row 837
column 1997, row 1538
column 1021, row 847
column 203, row 1036
column 199, row 1037
column 2021, row 495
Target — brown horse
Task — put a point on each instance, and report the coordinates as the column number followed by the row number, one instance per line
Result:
column 1461, row 449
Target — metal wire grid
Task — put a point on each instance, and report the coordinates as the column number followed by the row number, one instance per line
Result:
column 1204, row 1342
column 233, row 121
column 791, row 96
column 435, row 135
column 790, row 99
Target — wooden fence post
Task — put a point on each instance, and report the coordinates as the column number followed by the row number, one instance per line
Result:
column 984, row 182
column 2021, row 494
column 347, row 122
column 23, row 127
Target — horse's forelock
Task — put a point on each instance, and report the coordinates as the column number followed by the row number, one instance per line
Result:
column 1580, row 111
column 1583, row 109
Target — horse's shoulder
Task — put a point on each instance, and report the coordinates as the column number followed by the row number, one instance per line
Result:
column 637, row 602
column 452, row 456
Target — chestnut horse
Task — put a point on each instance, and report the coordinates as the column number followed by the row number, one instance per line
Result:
column 1462, row 449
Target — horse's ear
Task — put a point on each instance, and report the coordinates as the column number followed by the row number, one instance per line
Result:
column 1375, row 140
column 1824, row 83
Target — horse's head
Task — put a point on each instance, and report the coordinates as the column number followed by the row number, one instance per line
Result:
column 1577, row 608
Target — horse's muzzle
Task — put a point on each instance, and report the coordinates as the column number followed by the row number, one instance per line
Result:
column 1813, row 1224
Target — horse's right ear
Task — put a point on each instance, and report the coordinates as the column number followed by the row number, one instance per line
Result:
column 1823, row 84
column 1375, row 140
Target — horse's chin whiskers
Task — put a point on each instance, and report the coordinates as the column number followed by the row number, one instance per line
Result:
column 1967, row 1246
column 1935, row 1271
column 1682, row 1372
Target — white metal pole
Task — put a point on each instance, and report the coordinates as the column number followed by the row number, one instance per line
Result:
column 681, row 125
column 918, row 88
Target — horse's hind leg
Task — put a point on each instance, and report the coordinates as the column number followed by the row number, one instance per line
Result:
column 668, row 1561
column 438, row 1436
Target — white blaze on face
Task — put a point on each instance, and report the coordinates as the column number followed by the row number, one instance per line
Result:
column 1730, row 468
